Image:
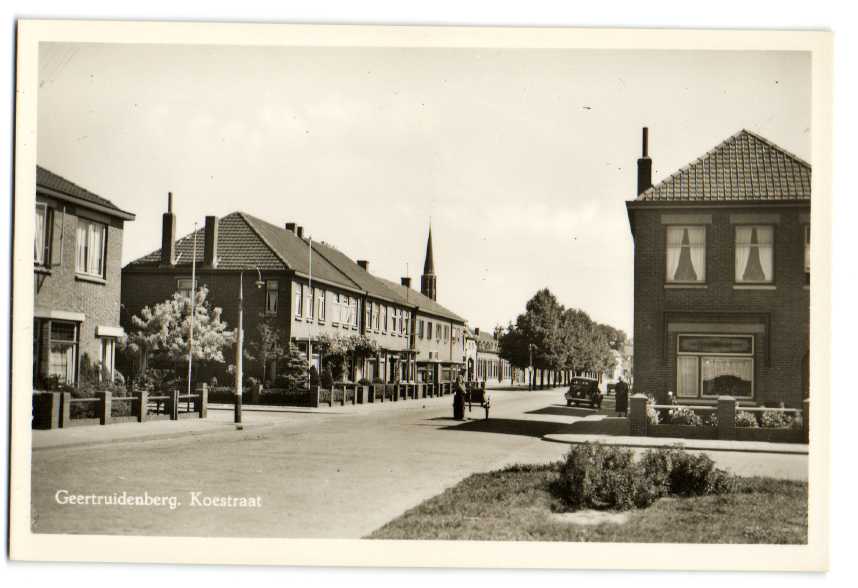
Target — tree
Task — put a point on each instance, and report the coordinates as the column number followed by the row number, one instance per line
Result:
column 294, row 373
column 266, row 346
column 161, row 333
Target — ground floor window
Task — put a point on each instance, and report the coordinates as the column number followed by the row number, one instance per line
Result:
column 107, row 356
column 62, row 358
column 714, row 365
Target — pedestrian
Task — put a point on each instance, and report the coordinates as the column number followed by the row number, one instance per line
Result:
column 487, row 404
column 459, row 400
column 621, row 395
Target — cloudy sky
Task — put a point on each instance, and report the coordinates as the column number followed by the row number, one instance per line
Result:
column 522, row 159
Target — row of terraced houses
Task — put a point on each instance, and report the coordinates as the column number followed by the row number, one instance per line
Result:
column 721, row 284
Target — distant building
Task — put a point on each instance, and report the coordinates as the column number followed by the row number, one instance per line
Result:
column 722, row 273
column 307, row 289
column 77, row 262
column 488, row 366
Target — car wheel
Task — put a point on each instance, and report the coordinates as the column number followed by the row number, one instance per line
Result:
column 568, row 403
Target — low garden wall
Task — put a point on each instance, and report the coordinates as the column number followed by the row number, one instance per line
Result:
column 53, row 410
column 726, row 420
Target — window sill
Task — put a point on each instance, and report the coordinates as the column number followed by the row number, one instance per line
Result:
column 754, row 287
column 686, row 286
column 40, row 269
column 92, row 279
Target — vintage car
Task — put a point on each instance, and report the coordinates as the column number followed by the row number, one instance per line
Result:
column 584, row 391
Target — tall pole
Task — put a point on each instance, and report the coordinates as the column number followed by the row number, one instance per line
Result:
column 239, row 348
column 193, row 300
column 312, row 313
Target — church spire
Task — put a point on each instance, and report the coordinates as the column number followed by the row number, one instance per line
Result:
column 428, row 281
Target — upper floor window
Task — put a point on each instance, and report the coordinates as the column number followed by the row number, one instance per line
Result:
column 420, row 329
column 272, row 296
column 754, row 254
column 368, row 313
column 322, row 297
column 299, row 299
column 309, row 308
column 807, row 249
column 42, row 244
column 686, row 254
column 91, row 237
column 428, row 329
column 355, row 312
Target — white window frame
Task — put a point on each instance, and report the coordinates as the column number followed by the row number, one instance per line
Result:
column 106, row 344
column 41, row 247
column 85, row 264
column 736, row 269
column 186, row 291
column 299, row 299
column 322, row 303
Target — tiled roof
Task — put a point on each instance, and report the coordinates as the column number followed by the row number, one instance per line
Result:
column 412, row 297
column 51, row 181
column 238, row 247
column 246, row 242
column 744, row 167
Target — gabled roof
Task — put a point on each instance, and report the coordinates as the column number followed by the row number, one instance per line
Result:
column 48, row 180
column 745, row 167
column 423, row 303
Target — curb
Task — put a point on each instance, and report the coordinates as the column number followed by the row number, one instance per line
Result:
column 694, row 444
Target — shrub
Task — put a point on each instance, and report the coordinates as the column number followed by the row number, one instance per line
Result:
column 326, row 380
column 774, row 419
column 711, row 419
column 696, row 475
column 685, row 416
column 746, row 419
column 608, row 477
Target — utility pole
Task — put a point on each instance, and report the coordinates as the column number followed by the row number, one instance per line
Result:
column 193, row 300
column 239, row 350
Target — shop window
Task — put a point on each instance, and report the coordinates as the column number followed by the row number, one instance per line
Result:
column 686, row 255
column 715, row 365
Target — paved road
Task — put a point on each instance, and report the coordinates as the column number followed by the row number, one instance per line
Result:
column 328, row 474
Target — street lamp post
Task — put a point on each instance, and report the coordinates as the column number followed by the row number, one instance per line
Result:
column 239, row 344
column 530, row 349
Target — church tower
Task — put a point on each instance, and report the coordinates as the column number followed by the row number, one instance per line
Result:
column 428, row 284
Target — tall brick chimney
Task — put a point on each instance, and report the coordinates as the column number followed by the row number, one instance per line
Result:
column 364, row 264
column 168, row 234
column 644, row 165
column 405, row 282
column 210, row 251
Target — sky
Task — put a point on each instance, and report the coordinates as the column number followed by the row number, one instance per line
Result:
column 521, row 159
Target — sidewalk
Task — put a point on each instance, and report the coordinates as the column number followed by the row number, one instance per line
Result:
column 699, row 444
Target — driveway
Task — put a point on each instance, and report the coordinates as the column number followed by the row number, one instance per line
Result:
column 315, row 474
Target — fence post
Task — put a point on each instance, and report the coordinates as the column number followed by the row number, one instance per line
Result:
column 142, row 405
column 314, row 395
column 637, row 415
column 174, row 404
column 104, row 406
column 203, row 401
column 726, row 417
column 805, row 420
column 65, row 410
column 46, row 410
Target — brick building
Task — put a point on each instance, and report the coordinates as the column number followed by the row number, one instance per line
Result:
column 76, row 271
column 305, row 288
column 722, row 262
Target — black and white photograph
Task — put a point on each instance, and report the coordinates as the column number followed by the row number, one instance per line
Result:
column 417, row 291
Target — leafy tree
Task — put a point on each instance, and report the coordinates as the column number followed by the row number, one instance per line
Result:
column 161, row 332
column 268, row 345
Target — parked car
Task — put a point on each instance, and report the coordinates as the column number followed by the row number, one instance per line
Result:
column 584, row 391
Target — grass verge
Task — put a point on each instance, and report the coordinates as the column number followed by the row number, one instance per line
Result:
column 516, row 504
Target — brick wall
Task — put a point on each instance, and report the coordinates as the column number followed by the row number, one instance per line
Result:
column 59, row 287
column 780, row 316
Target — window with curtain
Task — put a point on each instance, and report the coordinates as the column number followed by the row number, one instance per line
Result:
column 62, row 361
column 754, row 254
column 807, row 249
column 715, row 365
column 42, row 241
column 323, row 300
column 355, row 312
column 686, row 254
column 272, row 296
column 91, row 237
column 107, row 354
column 184, row 286
column 310, row 310
column 299, row 299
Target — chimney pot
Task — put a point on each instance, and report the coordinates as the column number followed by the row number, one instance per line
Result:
column 476, row 330
column 300, row 232
column 210, row 246
column 364, row 264
column 290, row 227
column 405, row 282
